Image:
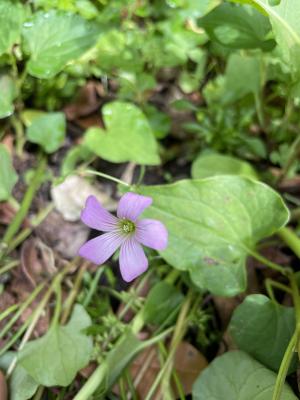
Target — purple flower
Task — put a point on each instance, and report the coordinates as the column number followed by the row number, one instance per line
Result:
column 125, row 231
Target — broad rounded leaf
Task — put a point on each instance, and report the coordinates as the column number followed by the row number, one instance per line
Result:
column 127, row 137
column 207, row 165
column 53, row 39
column 238, row 27
column 263, row 329
column 12, row 14
column 55, row 359
column 213, row 224
column 8, row 93
column 8, row 176
column 48, row 130
column 236, row 376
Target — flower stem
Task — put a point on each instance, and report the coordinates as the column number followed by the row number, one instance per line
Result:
column 102, row 175
column 26, row 203
column 291, row 239
column 268, row 263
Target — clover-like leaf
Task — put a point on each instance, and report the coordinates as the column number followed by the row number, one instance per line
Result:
column 214, row 224
column 237, row 376
column 212, row 164
column 8, row 92
column 48, row 130
column 12, row 14
column 53, row 39
column 253, row 325
column 8, row 176
column 55, row 359
column 127, row 137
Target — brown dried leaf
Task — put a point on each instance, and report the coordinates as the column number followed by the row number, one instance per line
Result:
column 189, row 362
column 37, row 261
column 87, row 101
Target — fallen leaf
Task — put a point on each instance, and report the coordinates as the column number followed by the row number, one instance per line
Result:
column 69, row 197
column 62, row 236
column 37, row 261
column 188, row 362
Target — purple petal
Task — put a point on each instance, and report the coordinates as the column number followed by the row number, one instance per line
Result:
column 152, row 233
column 133, row 261
column 132, row 205
column 96, row 217
column 98, row 250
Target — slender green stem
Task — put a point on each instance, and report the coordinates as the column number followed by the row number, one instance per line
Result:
column 270, row 284
column 57, row 310
column 102, row 175
column 291, row 239
column 8, row 311
column 284, row 367
column 23, row 307
column 26, row 203
column 268, row 263
column 293, row 154
column 20, row 136
column 93, row 287
column 9, row 266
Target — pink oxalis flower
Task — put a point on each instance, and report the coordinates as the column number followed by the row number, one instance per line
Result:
column 126, row 231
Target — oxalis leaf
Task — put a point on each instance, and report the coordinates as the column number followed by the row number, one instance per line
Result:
column 284, row 18
column 8, row 176
column 236, row 376
column 8, row 92
column 48, row 130
column 214, row 224
column 11, row 19
column 53, row 39
column 127, row 137
column 253, row 325
column 212, row 164
column 55, row 359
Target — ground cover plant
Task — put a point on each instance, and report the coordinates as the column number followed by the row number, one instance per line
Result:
column 149, row 199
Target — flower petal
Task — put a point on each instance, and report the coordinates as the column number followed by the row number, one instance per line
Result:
column 152, row 233
column 132, row 205
column 133, row 261
column 96, row 217
column 99, row 250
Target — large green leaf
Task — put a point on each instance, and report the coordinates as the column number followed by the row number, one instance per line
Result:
column 127, row 137
column 8, row 93
column 48, row 130
column 11, row 19
column 238, row 27
column 263, row 329
column 214, row 224
column 21, row 385
column 207, row 165
column 53, row 39
column 236, row 376
column 55, row 359
column 251, row 67
column 8, row 176
column 284, row 18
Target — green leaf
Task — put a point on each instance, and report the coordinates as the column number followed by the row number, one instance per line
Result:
column 8, row 176
column 53, row 39
column 284, row 18
column 48, row 130
column 214, row 224
column 263, row 329
column 238, row 27
column 21, row 385
column 11, row 19
column 55, row 359
column 8, row 92
column 207, row 165
column 161, row 302
column 236, row 376
column 127, row 137
column 252, row 68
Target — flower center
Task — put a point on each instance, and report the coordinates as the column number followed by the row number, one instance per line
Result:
column 127, row 226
